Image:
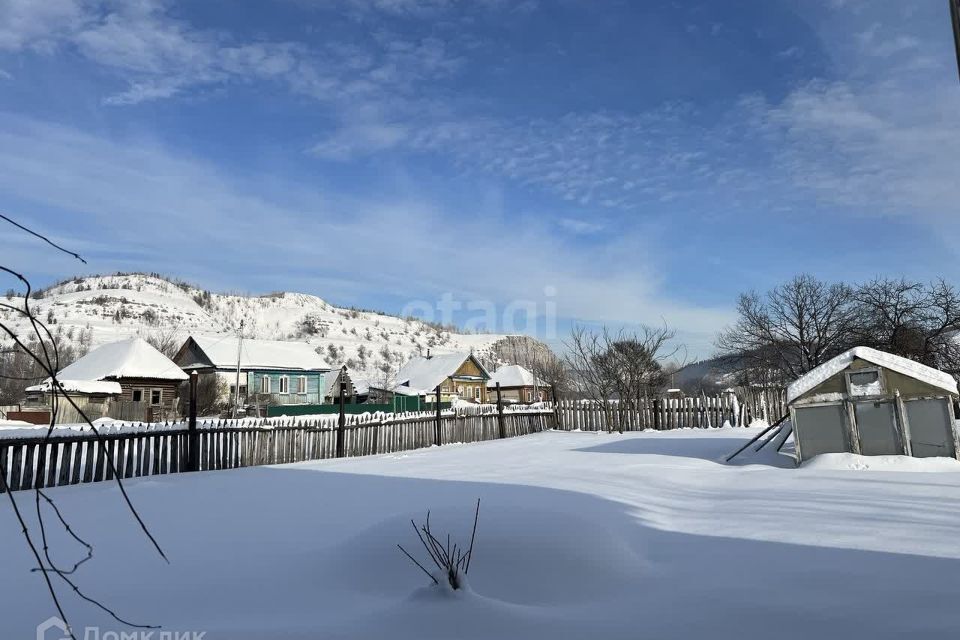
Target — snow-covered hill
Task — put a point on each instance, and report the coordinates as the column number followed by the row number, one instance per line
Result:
column 87, row 312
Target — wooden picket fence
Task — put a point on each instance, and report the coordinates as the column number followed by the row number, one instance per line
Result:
column 135, row 450
column 651, row 413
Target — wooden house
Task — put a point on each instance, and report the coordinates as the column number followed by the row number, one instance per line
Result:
column 127, row 380
column 271, row 371
column 870, row 402
column 518, row 385
column 459, row 375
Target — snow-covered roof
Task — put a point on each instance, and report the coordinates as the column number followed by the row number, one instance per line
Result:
column 79, row 386
column 513, row 375
column 424, row 374
column 921, row 372
column 260, row 354
column 133, row 358
column 330, row 380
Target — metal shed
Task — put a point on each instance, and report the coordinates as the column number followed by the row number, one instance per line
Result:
column 871, row 403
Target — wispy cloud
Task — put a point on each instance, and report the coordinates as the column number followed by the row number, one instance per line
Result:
column 183, row 215
column 160, row 56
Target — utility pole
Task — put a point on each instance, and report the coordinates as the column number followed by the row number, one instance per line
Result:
column 437, row 439
column 193, row 436
column 236, row 396
column 342, row 421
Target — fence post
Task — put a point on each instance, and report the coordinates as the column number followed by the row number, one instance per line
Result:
column 342, row 421
column 657, row 423
column 436, row 432
column 556, row 409
column 193, row 437
column 503, row 427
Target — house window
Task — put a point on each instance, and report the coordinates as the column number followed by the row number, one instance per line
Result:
column 476, row 393
column 265, row 384
column 460, row 391
column 156, row 396
column 284, row 384
column 138, row 395
column 302, row 384
column 529, row 395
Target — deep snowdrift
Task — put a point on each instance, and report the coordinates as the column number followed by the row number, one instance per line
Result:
column 580, row 535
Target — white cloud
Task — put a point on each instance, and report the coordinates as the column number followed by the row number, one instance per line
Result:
column 575, row 225
column 359, row 140
column 39, row 25
column 160, row 56
column 174, row 213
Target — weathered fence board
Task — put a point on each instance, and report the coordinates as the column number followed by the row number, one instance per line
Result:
column 136, row 450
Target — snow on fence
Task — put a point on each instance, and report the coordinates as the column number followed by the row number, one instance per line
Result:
column 75, row 455
column 30, row 460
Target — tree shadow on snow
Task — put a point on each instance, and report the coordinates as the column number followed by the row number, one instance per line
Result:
column 661, row 444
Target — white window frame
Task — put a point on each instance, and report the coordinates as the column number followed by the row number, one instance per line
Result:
column 133, row 395
column 159, row 401
column 460, row 390
column 284, row 385
column 265, row 384
column 880, row 378
column 477, row 394
column 529, row 395
column 302, row 384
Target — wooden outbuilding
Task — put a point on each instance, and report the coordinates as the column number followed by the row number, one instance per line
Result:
column 517, row 385
column 869, row 402
column 147, row 383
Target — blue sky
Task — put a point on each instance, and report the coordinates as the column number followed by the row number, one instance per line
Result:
column 641, row 161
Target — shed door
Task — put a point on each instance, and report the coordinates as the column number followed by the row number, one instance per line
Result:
column 931, row 432
column 821, row 429
column 877, row 424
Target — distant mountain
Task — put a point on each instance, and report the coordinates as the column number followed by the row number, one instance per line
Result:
column 90, row 311
column 706, row 376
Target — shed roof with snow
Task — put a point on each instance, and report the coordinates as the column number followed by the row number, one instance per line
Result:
column 819, row 376
column 220, row 352
column 870, row 402
column 133, row 358
column 81, row 387
column 513, row 375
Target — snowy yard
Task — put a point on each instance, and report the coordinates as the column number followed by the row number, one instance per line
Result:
column 580, row 535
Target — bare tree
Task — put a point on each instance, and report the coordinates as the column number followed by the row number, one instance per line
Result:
column 19, row 369
column 385, row 381
column 42, row 348
column 800, row 324
column 618, row 370
column 793, row 328
column 167, row 340
column 911, row 319
column 211, row 390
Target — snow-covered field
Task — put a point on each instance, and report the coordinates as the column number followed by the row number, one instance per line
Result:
column 581, row 535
